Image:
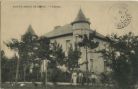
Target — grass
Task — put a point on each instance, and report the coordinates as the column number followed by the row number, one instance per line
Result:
column 31, row 86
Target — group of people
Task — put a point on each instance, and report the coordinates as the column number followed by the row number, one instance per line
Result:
column 80, row 78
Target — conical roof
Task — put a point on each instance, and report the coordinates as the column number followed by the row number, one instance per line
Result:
column 80, row 18
column 30, row 30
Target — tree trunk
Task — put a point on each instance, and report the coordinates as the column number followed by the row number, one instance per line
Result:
column 86, row 66
column 17, row 71
column 46, row 79
column 24, row 76
column 0, row 71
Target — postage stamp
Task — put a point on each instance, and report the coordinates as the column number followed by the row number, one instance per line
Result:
column 121, row 16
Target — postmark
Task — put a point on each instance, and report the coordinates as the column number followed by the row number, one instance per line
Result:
column 120, row 15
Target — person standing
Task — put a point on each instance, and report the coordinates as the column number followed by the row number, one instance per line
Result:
column 93, row 78
column 74, row 78
column 80, row 78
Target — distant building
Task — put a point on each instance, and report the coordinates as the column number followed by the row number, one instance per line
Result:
column 68, row 34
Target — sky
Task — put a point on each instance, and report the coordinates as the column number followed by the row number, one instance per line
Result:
column 104, row 16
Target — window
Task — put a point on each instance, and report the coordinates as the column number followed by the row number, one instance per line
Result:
column 67, row 45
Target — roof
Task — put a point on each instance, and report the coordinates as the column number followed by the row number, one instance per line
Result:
column 66, row 30
column 80, row 18
column 30, row 30
column 60, row 30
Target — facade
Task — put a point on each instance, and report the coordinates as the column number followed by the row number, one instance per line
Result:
column 68, row 34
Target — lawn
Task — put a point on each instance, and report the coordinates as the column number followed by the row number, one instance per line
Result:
column 31, row 86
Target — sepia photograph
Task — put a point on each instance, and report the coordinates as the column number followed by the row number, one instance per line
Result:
column 73, row 44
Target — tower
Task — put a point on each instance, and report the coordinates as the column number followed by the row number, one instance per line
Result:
column 81, row 22
column 80, row 25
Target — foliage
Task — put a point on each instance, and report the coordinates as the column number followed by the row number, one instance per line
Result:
column 57, row 58
column 105, row 78
column 73, row 57
column 121, row 57
column 31, row 49
column 88, row 41
column 8, row 73
column 43, row 48
column 57, row 55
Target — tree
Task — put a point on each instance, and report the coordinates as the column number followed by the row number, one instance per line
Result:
column 121, row 56
column 73, row 57
column 17, row 46
column 43, row 53
column 12, row 62
column 57, row 59
column 25, row 49
column 57, row 54
column 8, row 73
column 88, row 42
column 4, row 67
column 31, row 50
